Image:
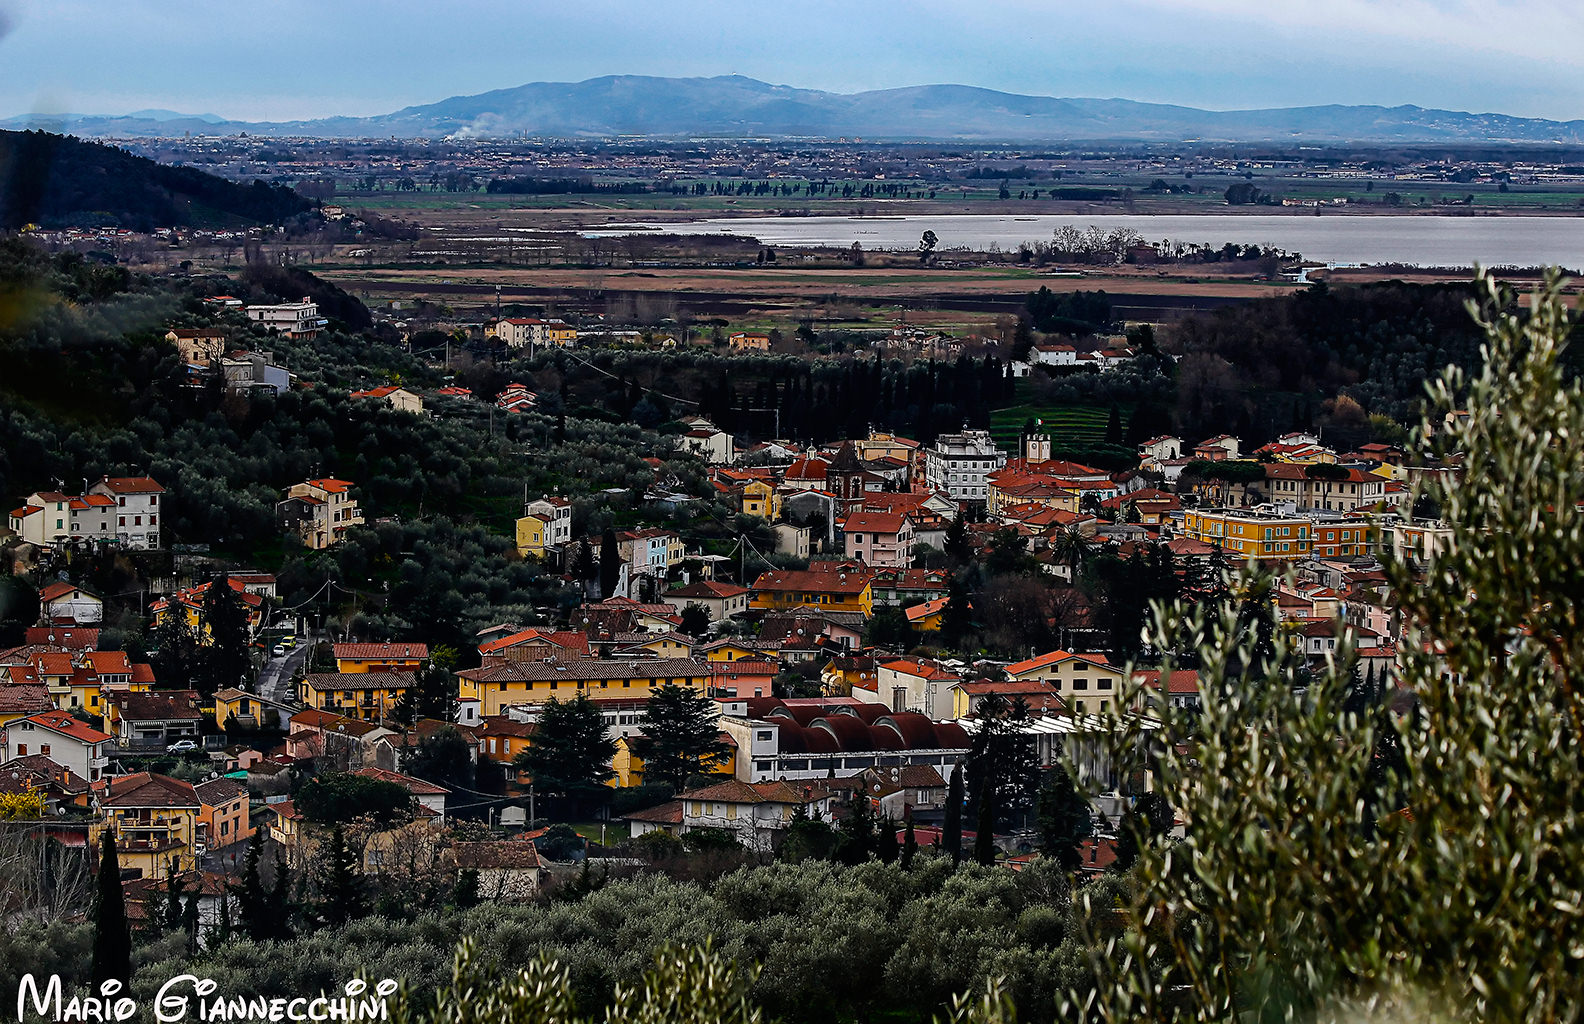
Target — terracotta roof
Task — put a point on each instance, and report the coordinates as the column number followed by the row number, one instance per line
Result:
column 873, row 522
column 24, row 698
column 566, row 639
column 1054, row 657
column 219, row 791
column 145, row 789
column 707, row 589
column 146, row 707
column 132, row 485
column 808, row 580
column 76, row 638
column 359, row 652
column 417, row 787
column 738, row 792
column 66, row 725
column 586, row 670
column 324, row 721
column 917, row 668
column 668, row 813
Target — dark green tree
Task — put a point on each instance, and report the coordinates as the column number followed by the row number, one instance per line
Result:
column 1150, row 818
column 258, row 921
column 678, row 736
column 889, row 630
column 951, row 827
column 695, row 620
column 570, row 755
column 227, row 653
column 442, row 757
column 610, row 563
column 112, row 941
column 338, row 797
column 1065, row 819
column 888, row 849
column 342, row 893
column 857, row 832
column 909, row 845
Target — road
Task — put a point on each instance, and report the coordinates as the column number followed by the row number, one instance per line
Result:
column 274, row 678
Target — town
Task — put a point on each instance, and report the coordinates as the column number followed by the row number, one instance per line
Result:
column 482, row 575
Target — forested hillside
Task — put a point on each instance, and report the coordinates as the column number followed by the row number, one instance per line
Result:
column 57, row 181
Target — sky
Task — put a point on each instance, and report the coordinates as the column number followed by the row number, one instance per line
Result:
column 293, row 59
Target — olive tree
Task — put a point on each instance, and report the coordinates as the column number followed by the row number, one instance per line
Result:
column 1294, row 894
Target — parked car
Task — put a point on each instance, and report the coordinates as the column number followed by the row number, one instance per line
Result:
column 278, row 651
column 182, row 747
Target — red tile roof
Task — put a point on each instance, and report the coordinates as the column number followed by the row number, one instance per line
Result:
column 145, row 789
column 371, row 652
column 66, row 725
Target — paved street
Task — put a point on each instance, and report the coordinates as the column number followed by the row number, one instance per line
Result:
column 274, row 679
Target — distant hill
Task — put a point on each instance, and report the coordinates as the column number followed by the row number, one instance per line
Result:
column 734, row 107
column 55, row 181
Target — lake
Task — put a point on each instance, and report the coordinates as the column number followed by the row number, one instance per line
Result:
column 1331, row 238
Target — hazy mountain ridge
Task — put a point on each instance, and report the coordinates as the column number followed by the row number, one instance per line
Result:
column 735, row 106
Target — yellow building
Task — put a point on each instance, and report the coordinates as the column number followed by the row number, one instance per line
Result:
column 826, row 589
column 380, row 657
column 189, row 604
column 531, row 536
column 629, row 767
column 368, row 696
column 927, row 616
column 500, row 682
column 1250, row 535
column 1086, row 683
column 663, row 645
column 154, row 819
column 561, row 334
column 749, row 342
column 760, row 498
column 740, row 650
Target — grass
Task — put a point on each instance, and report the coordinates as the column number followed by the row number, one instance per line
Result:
column 616, row 832
column 1068, row 425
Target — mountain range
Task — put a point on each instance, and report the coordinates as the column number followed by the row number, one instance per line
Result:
column 626, row 106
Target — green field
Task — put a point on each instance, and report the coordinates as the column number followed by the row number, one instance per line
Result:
column 1068, row 425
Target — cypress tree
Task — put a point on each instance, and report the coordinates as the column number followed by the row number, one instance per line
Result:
column 609, row 565
column 909, row 845
column 889, row 851
column 112, row 943
column 951, row 828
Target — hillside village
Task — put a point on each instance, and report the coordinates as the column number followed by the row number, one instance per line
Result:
column 834, row 665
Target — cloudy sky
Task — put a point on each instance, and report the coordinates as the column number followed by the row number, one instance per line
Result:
column 287, row 59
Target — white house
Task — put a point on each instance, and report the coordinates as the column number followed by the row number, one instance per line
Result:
column 957, row 464
column 756, row 813
column 67, row 603
column 721, row 600
column 708, row 442
column 68, row 742
column 557, row 514
column 293, row 319
column 906, row 684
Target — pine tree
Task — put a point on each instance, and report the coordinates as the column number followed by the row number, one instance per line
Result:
column 951, row 827
column 112, row 942
column 570, row 755
column 678, row 736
